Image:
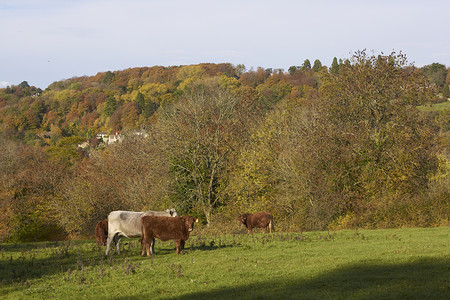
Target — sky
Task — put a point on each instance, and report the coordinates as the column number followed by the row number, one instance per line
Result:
column 43, row 41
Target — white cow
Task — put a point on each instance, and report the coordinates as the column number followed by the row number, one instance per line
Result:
column 128, row 224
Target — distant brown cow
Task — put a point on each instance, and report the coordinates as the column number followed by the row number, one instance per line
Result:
column 101, row 232
column 258, row 220
column 165, row 228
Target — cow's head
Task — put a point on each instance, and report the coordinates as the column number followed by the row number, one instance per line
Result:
column 243, row 219
column 172, row 212
column 189, row 221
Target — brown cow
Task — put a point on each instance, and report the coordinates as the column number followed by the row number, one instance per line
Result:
column 101, row 232
column 165, row 228
column 258, row 220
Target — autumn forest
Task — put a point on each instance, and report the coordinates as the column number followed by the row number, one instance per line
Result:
column 363, row 143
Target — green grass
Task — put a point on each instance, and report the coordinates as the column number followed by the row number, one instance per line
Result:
column 435, row 107
column 363, row 264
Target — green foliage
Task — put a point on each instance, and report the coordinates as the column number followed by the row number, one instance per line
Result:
column 32, row 227
column 436, row 73
column 317, row 65
column 306, row 65
column 111, row 106
column 446, row 92
column 292, row 69
column 369, row 119
column 108, row 78
column 140, row 102
column 334, row 66
column 65, row 150
column 199, row 131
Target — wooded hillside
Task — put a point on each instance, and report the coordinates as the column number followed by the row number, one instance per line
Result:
column 337, row 147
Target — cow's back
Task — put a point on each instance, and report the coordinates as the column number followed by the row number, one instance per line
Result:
column 125, row 222
column 261, row 219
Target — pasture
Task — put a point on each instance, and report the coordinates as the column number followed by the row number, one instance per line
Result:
column 410, row 263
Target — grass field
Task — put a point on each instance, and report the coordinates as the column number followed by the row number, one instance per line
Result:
column 364, row 264
column 443, row 106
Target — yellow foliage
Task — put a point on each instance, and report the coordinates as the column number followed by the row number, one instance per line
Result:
column 66, row 95
column 150, row 90
column 187, row 83
column 346, row 221
column 443, row 169
column 187, row 72
column 129, row 97
column 229, row 83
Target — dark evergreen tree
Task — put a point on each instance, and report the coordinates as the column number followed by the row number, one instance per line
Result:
column 306, row 65
column 334, row 66
column 317, row 65
column 111, row 106
column 140, row 102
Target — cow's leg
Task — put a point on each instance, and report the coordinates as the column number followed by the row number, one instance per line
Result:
column 117, row 242
column 182, row 245
column 142, row 246
column 153, row 246
column 110, row 238
column 149, row 244
column 178, row 244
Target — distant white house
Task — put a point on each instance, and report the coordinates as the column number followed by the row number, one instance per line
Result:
column 109, row 139
column 114, row 138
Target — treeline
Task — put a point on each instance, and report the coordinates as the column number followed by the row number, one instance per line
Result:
column 319, row 147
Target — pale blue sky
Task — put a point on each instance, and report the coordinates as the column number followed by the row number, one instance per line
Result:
column 43, row 41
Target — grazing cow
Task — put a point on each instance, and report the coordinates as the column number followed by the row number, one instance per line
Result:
column 165, row 228
column 101, row 232
column 128, row 224
column 258, row 220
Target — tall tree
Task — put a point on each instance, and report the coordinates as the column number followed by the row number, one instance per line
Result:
column 436, row 73
column 199, row 133
column 334, row 66
column 317, row 65
column 140, row 102
column 340, row 158
column 306, row 65
column 111, row 106
column 367, row 118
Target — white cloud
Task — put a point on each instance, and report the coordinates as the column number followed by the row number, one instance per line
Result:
column 4, row 84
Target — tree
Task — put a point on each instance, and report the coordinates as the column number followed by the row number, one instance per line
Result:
column 108, row 78
column 306, row 65
column 366, row 119
column 436, row 73
column 317, row 65
column 446, row 92
column 111, row 106
column 334, row 66
column 140, row 102
column 199, row 132
column 28, row 181
column 240, row 69
column 292, row 70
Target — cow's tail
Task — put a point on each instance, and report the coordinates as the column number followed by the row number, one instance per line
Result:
column 271, row 228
